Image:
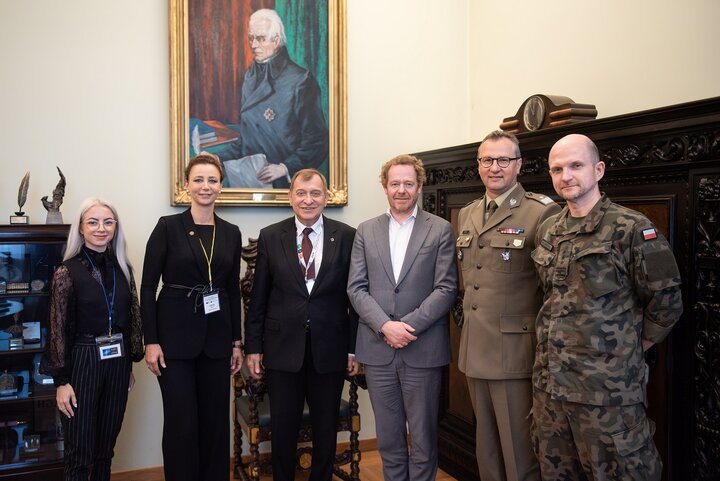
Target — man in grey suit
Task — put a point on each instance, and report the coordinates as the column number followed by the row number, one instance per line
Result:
column 402, row 282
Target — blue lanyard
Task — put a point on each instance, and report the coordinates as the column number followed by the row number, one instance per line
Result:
column 108, row 303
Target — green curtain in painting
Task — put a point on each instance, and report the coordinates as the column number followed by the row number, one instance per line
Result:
column 306, row 27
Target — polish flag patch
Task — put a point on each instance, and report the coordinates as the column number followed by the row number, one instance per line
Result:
column 649, row 234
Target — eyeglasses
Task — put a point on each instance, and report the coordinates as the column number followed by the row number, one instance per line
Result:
column 93, row 224
column 502, row 162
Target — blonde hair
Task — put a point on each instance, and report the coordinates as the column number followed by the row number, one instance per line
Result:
column 403, row 159
column 75, row 240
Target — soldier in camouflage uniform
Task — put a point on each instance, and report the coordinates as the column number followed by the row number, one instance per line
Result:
column 611, row 290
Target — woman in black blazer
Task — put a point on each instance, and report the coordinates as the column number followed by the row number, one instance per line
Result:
column 192, row 329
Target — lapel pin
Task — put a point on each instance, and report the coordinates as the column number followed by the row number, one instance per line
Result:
column 513, row 201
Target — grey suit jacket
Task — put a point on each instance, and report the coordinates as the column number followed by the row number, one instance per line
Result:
column 422, row 297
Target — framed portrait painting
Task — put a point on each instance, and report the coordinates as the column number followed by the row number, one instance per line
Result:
column 262, row 85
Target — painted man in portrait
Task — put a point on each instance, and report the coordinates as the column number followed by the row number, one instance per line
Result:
column 282, row 125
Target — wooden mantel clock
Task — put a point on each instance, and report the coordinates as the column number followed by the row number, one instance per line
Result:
column 543, row 111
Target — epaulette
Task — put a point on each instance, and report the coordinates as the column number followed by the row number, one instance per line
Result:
column 543, row 199
column 472, row 202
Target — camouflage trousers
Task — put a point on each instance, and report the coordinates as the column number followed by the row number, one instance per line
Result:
column 581, row 442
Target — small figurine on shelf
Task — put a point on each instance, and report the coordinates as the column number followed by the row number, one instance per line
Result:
column 16, row 333
column 53, row 207
column 20, row 217
column 8, row 385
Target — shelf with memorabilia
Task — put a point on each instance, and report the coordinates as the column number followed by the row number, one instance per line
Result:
column 31, row 440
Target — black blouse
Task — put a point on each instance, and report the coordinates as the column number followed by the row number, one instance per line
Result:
column 78, row 307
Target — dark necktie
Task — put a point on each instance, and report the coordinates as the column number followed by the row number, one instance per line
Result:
column 491, row 208
column 306, row 251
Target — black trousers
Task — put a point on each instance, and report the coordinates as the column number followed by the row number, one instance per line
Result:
column 196, row 429
column 288, row 392
column 101, row 390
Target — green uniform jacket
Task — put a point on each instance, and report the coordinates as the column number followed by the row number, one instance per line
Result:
column 502, row 294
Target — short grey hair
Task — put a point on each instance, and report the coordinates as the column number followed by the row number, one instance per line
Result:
column 496, row 135
column 277, row 29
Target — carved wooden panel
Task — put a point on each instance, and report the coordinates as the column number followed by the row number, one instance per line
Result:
column 665, row 163
column 706, row 319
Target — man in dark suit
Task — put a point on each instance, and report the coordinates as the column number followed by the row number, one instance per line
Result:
column 502, row 297
column 300, row 330
column 402, row 283
column 281, row 116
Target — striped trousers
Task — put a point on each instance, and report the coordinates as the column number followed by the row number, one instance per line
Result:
column 101, row 390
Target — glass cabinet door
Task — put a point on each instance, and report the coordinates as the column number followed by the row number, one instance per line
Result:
column 31, row 435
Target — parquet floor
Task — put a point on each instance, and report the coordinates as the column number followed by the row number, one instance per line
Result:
column 370, row 470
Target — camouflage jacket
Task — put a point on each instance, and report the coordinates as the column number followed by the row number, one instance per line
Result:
column 608, row 282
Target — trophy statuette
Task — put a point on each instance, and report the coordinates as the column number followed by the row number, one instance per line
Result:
column 20, row 217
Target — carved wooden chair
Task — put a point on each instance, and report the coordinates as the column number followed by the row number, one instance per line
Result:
column 251, row 413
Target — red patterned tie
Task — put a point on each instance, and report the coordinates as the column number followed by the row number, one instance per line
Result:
column 306, row 251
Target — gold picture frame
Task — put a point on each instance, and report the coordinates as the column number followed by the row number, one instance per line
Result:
column 336, row 113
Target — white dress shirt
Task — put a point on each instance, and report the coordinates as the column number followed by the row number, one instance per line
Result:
column 316, row 238
column 399, row 240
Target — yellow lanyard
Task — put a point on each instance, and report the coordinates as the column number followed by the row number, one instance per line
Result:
column 209, row 259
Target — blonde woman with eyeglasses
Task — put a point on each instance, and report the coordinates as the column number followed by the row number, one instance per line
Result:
column 95, row 335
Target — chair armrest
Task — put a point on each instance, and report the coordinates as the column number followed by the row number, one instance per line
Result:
column 358, row 380
column 252, row 386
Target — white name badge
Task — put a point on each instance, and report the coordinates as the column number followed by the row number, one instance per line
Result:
column 211, row 301
column 109, row 347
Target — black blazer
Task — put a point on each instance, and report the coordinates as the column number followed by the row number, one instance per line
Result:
column 173, row 321
column 280, row 304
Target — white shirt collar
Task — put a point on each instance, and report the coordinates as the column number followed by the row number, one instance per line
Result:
column 316, row 227
column 413, row 216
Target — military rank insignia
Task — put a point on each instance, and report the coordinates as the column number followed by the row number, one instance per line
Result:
column 544, row 199
column 463, row 240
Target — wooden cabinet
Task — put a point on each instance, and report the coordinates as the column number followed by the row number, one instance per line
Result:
column 665, row 163
column 31, row 444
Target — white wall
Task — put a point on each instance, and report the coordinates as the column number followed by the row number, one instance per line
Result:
column 85, row 86
column 621, row 56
